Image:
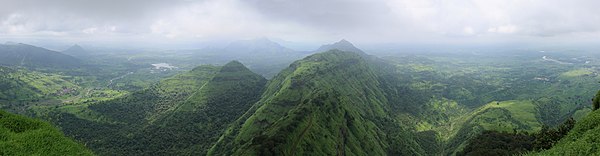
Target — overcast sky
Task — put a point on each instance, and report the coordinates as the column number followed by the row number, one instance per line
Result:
column 311, row 21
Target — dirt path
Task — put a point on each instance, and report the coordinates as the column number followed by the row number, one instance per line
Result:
column 110, row 82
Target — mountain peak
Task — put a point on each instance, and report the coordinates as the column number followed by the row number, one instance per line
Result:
column 343, row 45
column 75, row 50
column 76, row 46
column 234, row 66
column 344, row 41
column 255, row 42
column 261, row 46
column 234, row 63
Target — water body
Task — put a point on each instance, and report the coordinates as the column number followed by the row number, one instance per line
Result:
column 163, row 65
column 553, row 60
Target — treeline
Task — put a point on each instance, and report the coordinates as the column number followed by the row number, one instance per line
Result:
column 515, row 143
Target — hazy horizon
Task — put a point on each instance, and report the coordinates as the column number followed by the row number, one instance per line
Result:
column 301, row 25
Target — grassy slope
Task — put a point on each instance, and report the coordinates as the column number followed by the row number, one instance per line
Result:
column 181, row 115
column 205, row 114
column 326, row 104
column 107, row 127
column 25, row 136
column 498, row 115
column 19, row 84
column 582, row 139
column 152, row 103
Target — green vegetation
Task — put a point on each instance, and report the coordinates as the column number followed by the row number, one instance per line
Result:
column 25, row 136
column 578, row 72
column 501, row 116
column 20, row 84
column 325, row 104
column 330, row 103
column 581, row 140
column 515, row 143
column 181, row 115
column 596, row 101
column 498, row 143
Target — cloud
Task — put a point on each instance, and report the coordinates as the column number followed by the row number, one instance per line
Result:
column 362, row 20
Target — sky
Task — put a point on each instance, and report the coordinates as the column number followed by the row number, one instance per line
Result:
column 302, row 21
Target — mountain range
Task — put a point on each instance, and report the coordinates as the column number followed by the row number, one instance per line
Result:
column 31, row 56
column 337, row 101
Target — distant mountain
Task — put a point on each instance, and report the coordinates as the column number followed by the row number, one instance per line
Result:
column 32, row 56
column 257, row 47
column 26, row 136
column 260, row 55
column 331, row 103
column 76, row 50
column 342, row 45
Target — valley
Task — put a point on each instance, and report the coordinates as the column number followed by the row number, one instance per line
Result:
column 337, row 100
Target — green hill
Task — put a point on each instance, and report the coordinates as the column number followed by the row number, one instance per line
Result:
column 153, row 102
column 181, row 115
column 582, row 139
column 503, row 116
column 20, row 84
column 25, row 136
column 330, row 103
column 198, row 122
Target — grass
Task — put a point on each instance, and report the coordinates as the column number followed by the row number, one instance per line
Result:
column 578, row 72
column 506, row 116
column 521, row 110
column 25, row 136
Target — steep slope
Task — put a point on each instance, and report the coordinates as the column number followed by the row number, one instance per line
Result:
column 325, row 104
column 25, row 136
column 342, row 45
column 582, row 139
column 31, row 56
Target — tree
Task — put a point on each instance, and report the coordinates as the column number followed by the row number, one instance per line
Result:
column 596, row 101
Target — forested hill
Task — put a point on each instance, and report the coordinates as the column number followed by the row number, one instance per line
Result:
column 76, row 50
column 583, row 138
column 31, row 56
column 343, row 45
column 181, row 115
column 330, row 103
column 20, row 135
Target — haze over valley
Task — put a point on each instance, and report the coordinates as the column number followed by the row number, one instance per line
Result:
column 280, row 77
